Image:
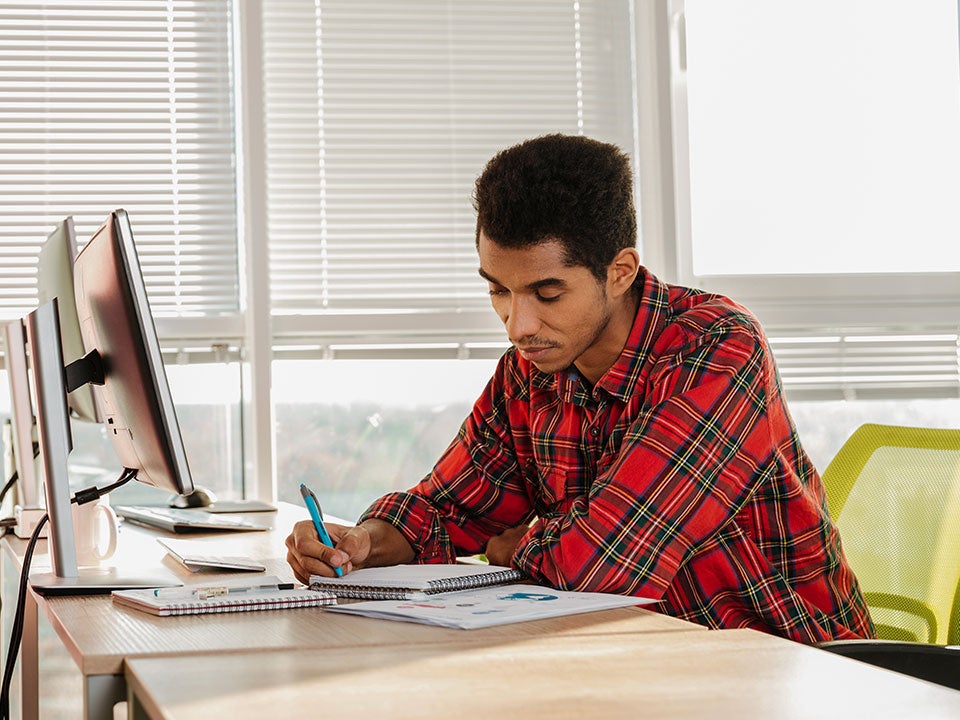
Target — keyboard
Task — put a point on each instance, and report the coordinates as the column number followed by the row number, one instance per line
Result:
column 181, row 520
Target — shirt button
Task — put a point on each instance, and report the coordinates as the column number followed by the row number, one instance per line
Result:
column 595, row 431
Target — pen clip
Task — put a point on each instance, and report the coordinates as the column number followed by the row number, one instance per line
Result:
column 309, row 494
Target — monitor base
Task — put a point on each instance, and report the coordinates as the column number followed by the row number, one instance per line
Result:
column 94, row 581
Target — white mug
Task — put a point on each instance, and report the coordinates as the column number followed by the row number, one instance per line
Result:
column 94, row 531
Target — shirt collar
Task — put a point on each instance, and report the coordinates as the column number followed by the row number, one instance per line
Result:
column 620, row 380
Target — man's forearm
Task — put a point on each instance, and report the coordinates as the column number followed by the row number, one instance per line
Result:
column 388, row 546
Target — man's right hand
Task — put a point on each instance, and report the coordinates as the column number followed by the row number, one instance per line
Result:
column 373, row 542
column 308, row 556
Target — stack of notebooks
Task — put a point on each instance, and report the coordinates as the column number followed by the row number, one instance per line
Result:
column 458, row 596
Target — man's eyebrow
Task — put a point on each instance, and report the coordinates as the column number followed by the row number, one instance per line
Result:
column 487, row 276
column 537, row 285
column 547, row 282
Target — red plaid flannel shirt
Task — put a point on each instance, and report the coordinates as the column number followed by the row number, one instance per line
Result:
column 678, row 476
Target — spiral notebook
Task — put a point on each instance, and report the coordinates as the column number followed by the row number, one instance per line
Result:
column 267, row 594
column 413, row 582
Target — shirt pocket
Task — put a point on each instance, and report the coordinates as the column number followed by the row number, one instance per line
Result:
column 552, row 492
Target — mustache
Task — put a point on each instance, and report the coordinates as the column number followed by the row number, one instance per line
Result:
column 533, row 342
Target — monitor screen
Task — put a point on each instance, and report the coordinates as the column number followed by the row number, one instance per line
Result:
column 116, row 322
column 55, row 280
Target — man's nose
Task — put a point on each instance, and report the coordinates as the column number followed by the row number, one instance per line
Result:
column 523, row 320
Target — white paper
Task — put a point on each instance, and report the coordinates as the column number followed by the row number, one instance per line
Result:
column 485, row 607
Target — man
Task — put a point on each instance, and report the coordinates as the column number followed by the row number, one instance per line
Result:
column 634, row 439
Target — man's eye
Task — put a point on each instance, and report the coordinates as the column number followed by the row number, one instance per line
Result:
column 547, row 298
column 497, row 292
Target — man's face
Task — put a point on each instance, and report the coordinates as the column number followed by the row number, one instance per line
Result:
column 555, row 314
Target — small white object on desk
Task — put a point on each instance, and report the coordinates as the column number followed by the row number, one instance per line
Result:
column 199, row 555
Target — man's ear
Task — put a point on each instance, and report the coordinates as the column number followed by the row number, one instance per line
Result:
column 622, row 271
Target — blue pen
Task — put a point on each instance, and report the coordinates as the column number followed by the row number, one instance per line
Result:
column 317, row 516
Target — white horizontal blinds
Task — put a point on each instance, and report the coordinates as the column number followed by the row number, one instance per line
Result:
column 121, row 104
column 867, row 365
column 381, row 114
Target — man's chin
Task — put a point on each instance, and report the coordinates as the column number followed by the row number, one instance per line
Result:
column 546, row 360
column 549, row 367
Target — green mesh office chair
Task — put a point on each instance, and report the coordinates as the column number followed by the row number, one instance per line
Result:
column 895, row 495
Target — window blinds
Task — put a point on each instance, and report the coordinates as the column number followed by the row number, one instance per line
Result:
column 379, row 117
column 121, row 104
column 863, row 364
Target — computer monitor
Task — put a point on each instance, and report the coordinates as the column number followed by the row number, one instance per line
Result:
column 117, row 327
column 55, row 280
column 23, row 426
column 123, row 360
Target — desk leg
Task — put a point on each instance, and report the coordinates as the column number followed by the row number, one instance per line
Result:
column 135, row 708
column 30, row 662
column 100, row 694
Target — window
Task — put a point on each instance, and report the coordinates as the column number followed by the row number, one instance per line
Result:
column 356, row 429
column 131, row 104
column 823, row 137
column 379, row 117
column 824, row 163
column 376, row 118
column 126, row 104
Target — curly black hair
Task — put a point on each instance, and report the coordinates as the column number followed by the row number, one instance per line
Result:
column 559, row 187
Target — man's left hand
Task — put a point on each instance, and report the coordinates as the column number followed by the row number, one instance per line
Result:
column 500, row 548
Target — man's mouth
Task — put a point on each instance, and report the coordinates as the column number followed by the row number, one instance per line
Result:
column 533, row 353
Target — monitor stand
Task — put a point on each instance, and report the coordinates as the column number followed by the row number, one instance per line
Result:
column 96, row 581
column 53, row 425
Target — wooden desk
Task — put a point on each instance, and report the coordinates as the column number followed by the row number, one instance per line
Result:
column 100, row 636
column 721, row 673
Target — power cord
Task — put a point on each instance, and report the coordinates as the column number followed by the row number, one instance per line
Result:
column 10, row 483
column 16, row 632
column 82, row 497
column 7, row 523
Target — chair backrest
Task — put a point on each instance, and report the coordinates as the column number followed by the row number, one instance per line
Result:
column 895, row 495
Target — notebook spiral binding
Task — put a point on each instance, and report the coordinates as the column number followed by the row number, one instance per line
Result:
column 433, row 587
column 225, row 605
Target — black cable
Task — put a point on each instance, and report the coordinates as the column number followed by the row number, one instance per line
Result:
column 11, row 521
column 10, row 483
column 93, row 493
column 16, row 633
column 16, row 475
